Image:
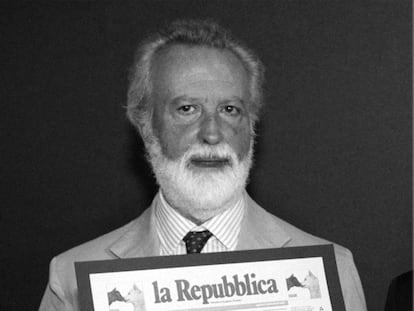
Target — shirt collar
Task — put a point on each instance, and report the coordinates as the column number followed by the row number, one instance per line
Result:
column 172, row 226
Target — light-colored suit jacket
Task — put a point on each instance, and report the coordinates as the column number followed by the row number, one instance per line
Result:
column 138, row 238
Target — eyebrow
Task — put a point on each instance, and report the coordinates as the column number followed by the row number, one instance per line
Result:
column 234, row 99
column 190, row 99
column 186, row 98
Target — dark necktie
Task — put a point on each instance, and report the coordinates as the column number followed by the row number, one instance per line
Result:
column 195, row 241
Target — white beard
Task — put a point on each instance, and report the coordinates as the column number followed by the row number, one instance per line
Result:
column 200, row 193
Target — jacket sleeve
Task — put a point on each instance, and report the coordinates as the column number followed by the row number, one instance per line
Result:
column 54, row 298
column 350, row 282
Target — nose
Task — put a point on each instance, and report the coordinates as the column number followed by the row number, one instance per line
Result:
column 210, row 131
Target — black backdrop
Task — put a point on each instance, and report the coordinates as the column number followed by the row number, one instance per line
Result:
column 334, row 146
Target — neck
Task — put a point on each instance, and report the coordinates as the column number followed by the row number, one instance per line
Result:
column 201, row 214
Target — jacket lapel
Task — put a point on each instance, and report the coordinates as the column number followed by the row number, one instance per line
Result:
column 140, row 239
column 259, row 230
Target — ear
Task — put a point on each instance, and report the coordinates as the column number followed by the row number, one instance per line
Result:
column 147, row 129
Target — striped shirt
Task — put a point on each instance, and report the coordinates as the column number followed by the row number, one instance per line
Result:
column 172, row 227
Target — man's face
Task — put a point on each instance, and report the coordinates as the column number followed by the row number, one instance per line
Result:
column 202, row 155
column 200, row 96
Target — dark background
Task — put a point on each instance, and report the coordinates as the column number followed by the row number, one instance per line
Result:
column 334, row 147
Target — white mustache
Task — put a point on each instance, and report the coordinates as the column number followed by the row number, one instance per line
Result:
column 221, row 152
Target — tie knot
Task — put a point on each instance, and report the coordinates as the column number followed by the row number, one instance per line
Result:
column 195, row 241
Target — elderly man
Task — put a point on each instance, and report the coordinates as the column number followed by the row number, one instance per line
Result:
column 194, row 96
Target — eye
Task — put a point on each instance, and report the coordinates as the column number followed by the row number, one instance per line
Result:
column 231, row 110
column 186, row 109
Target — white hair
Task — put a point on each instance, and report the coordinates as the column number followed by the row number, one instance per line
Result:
column 191, row 33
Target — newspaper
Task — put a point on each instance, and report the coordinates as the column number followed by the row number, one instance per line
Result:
column 296, row 284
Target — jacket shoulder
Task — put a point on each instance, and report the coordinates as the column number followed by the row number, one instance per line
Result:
column 297, row 237
column 62, row 269
column 96, row 249
column 348, row 275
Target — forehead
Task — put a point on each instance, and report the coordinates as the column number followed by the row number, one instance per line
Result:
column 181, row 67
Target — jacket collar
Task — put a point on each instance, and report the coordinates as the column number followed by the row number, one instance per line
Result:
column 258, row 230
column 140, row 238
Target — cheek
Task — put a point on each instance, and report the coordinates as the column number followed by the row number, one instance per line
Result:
column 169, row 135
column 241, row 141
column 175, row 140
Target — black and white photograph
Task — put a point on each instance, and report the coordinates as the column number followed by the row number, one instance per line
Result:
column 155, row 129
